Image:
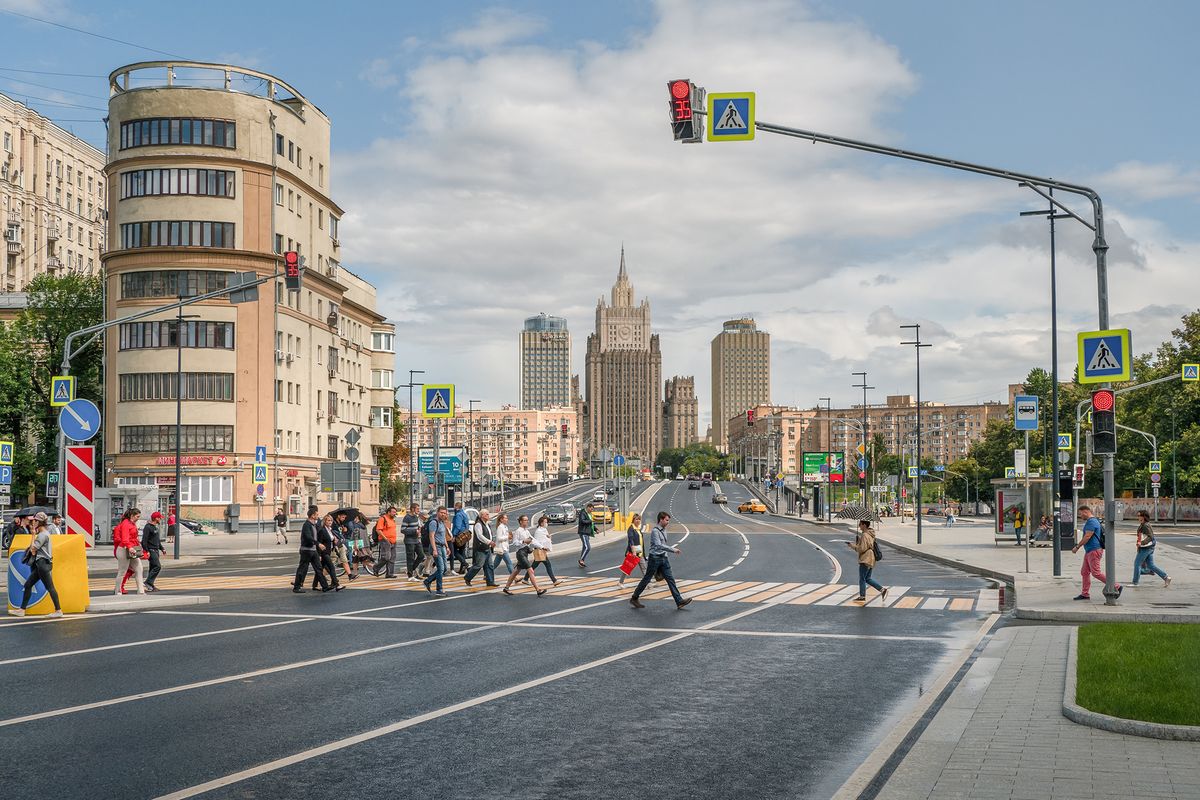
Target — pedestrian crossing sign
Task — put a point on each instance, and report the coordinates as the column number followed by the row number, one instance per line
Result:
column 912, row 472
column 1064, row 441
column 1155, row 466
column 1010, row 472
column 731, row 117
column 6, row 454
column 1105, row 356
column 260, row 474
column 439, row 401
column 1191, row 372
column 62, row 390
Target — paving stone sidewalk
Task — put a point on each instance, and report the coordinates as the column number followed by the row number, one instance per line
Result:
column 1001, row 734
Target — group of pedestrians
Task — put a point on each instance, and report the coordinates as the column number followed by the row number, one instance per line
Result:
column 138, row 553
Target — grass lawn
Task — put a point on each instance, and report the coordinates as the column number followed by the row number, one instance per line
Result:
column 1140, row 671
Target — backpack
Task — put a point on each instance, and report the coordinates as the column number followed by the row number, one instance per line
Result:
column 374, row 537
column 878, row 551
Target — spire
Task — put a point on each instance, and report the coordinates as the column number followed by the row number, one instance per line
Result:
column 621, row 272
column 622, row 291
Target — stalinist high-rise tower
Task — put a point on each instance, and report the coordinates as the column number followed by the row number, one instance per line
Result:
column 623, row 378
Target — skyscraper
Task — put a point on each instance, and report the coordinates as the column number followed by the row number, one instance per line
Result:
column 680, row 412
column 741, row 374
column 545, row 363
column 623, row 374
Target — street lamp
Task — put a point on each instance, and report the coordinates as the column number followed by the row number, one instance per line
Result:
column 180, row 317
column 828, row 447
column 916, row 328
column 862, row 482
column 471, row 446
column 412, row 453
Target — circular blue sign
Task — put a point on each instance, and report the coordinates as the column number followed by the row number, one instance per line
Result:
column 79, row 420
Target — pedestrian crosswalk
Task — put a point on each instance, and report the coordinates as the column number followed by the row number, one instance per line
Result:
column 717, row 591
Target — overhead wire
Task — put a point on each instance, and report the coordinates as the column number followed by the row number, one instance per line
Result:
column 89, row 33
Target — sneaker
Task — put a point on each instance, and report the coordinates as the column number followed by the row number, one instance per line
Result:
column 1166, row 582
column 338, row 588
column 413, row 579
column 860, row 599
column 506, row 591
column 685, row 601
column 1119, row 590
column 55, row 613
column 542, row 592
column 1082, row 597
column 16, row 612
column 883, row 593
column 297, row 590
column 440, row 594
column 633, row 601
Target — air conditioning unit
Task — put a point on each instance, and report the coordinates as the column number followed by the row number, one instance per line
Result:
column 332, row 418
column 333, row 370
column 332, row 319
column 290, row 358
column 320, row 413
column 336, row 243
column 278, row 356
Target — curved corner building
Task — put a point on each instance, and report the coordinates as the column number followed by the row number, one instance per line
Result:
column 213, row 171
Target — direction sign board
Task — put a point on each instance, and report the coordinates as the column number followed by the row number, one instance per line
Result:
column 260, row 454
column 450, row 462
column 62, row 390
column 79, row 420
column 1155, row 466
column 1025, row 412
column 1191, row 372
column 913, row 472
column 260, row 474
column 6, row 476
column 1105, row 356
column 1064, row 441
column 730, row 116
column 438, row 401
column 6, row 453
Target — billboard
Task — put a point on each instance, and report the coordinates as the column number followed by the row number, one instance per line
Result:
column 450, row 462
column 819, row 467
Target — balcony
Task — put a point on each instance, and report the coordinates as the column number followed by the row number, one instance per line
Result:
column 14, row 248
column 53, row 264
column 14, row 218
column 52, row 233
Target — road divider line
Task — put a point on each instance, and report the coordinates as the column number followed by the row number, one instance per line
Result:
column 69, row 618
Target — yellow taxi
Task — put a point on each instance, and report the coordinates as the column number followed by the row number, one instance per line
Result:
column 601, row 514
column 752, row 507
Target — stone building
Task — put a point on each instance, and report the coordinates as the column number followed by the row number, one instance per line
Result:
column 680, row 412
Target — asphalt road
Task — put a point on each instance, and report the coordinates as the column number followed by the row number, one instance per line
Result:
column 773, row 683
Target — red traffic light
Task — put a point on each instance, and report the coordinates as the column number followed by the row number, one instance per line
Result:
column 291, row 263
column 681, row 89
column 861, row 475
column 750, row 416
column 1103, row 400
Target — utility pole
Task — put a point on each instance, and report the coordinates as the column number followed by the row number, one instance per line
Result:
column 471, row 453
column 412, row 453
column 828, row 444
column 916, row 343
column 862, row 482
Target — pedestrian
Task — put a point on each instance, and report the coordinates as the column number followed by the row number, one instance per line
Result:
column 1018, row 522
column 525, row 563
column 54, row 526
column 1145, row 550
column 281, row 523
column 152, row 546
column 309, row 554
column 18, row 525
column 128, row 546
column 542, row 547
column 502, row 540
column 482, row 542
column 633, row 546
column 326, row 551
column 1043, row 530
column 410, row 529
column 40, row 559
column 659, row 560
column 172, row 526
column 587, row 529
column 1092, row 542
column 460, row 536
column 385, row 529
column 864, row 545
column 439, row 541
column 949, row 517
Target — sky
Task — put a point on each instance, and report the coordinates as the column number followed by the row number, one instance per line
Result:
column 493, row 158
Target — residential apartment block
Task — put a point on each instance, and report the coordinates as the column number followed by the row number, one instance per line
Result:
column 545, row 362
column 741, row 374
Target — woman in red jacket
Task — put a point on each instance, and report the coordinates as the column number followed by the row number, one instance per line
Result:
column 127, row 543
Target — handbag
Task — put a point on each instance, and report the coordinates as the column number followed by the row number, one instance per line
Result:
column 539, row 555
column 133, row 553
column 460, row 541
column 27, row 557
column 630, row 563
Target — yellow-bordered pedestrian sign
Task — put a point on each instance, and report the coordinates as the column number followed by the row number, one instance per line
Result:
column 1010, row 472
column 731, row 117
column 260, row 474
column 1155, row 466
column 438, row 401
column 1191, row 372
column 1064, row 441
column 62, row 390
column 1105, row 356
column 912, row 472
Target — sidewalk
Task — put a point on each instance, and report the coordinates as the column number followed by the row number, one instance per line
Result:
column 1001, row 734
column 1039, row 595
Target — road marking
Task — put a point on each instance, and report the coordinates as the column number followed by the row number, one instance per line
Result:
column 18, row 622
column 837, row 567
column 146, row 642
column 330, row 747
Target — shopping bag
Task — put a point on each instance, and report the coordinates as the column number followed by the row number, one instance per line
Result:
column 630, row 564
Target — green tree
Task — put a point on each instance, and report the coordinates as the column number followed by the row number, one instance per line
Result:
column 393, row 488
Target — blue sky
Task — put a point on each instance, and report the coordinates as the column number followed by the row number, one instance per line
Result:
column 494, row 156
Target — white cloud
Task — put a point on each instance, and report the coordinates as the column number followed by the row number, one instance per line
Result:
column 495, row 27
column 520, row 169
column 1143, row 181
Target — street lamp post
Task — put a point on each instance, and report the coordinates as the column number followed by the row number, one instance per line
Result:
column 862, row 485
column 471, row 451
column 179, row 318
column 412, row 453
column 828, row 447
column 916, row 328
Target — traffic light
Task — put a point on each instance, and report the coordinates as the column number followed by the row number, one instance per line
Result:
column 564, row 429
column 685, row 96
column 1077, row 476
column 750, row 417
column 291, row 270
column 1104, row 422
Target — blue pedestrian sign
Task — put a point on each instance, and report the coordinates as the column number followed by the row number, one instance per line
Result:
column 939, row 467
column 62, row 390
column 1010, row 472
column 1064, row 441
column 1025, row 412
column 260, row 454
column 79, row 420
column 618, row 460
column 1191, row 372
column 913, row 472
column 260, row 474
column 6, row 453
column 731, row 117
column 438, row 401
column 5, row 476
column 1105, row 356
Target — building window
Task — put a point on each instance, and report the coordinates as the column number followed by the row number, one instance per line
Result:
column 164, row 385
column 163, row 333
column 178, row 130
column 172, row 283
column 383, row 342
column 333, row 227
column 331, row 447
column 381, row 379
column 161, row 438
column 279, row 143
column 172, row 233
column 177, row 181
column 381, row 416
column 201, row 490
column 332, row 407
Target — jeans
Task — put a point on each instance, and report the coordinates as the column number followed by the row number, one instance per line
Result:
column 155, row 567
column 414, row 554
column 506, row 558
column 586, row 544
column 439, row 566
column 653, row 565
column 1146, row 556
column 549, row 568
column 1018, row 530
column 481, row 560
column 1091, row 569
column 40, row 572
column 457, row 554
column 865, row 580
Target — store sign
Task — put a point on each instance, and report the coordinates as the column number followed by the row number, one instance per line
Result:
column 293, row 473
column 192, row 461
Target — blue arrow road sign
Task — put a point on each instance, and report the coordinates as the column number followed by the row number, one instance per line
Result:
column 939, row 468
column 619, row 460
column 260, row 454
column 862, row 463
column 5, row 476
column 79, row 420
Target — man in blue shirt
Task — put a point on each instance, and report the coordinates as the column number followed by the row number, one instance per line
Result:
column 458, row 525
column 659, row 559
column 1093, row 552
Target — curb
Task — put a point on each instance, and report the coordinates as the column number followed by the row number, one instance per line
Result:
column 1130, row 727
column 103, row 604
column 1100, row 616
column 950, row 562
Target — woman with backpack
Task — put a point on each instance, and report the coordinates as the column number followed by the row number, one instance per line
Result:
column 127, row 544
column 1145, row 551
column 40, row 560
column 864, row 544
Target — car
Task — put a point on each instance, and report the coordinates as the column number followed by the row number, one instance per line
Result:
column 561, row 514
column 720, row 498
column 706, row 481
column 752, row 507
column 681, row 477
column 693, row 484
column 599, row 496
column 602, row 514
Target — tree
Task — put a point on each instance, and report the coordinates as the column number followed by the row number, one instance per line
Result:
column 392, row 489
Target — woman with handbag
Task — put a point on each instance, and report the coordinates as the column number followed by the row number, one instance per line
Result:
column 40, row 560
column 542, row 547
column 524, row 542
column 128, row 544
column 633, row 550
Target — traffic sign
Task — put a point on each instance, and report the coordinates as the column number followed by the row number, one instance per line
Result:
column 352, row 437
column 1154, row 489
column 260, row 474
column 352, row 453
column 939, row 467
column 62, row 390
column 5, row 476
column 1105, row 356
column 5, row 496
column 6, row 453
column 912, row 472
column 439, row 401
column 730, row 116
column 1156, row 478
column 260, row 454
column 1064, row 441
column 80, row 492
column 1191, row 372
column 618, row 460
column 860, row 449
column 52, row 485
column 1155, row 466
column 1025, row 412
column 862, row 463
column 79, row 420
column 1010, row 472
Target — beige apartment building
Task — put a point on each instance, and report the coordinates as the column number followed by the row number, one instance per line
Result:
column 508, row 442
column 206, row 180
column 52, row 198
column 741, row 374
column 545, row 362
column 680, row 412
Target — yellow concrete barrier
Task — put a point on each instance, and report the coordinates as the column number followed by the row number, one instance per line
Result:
column 70, row 576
